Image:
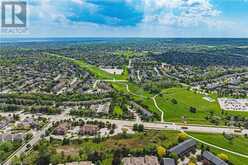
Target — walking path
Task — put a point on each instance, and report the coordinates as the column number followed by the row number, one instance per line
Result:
column 154, row 101
column 156, row 105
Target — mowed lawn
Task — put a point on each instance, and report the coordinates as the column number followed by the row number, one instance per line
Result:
column 100, row 74
column 238, row 144
column 186, row 99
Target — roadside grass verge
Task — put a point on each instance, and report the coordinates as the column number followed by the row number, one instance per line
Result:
column 238, row 144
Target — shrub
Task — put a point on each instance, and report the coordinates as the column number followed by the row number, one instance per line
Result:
column 223, row 156
column 174, row 155
column 192, row 109
column 182, row 136
column 161, row 151
column 174, row 101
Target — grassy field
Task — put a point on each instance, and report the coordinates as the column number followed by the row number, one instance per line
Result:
column 139, row 95
column 100, row 74
column 135, row 90
column 238, row 144
column 185, row 100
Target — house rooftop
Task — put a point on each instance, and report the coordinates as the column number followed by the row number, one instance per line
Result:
column 168, row 161
column 78, row 163
column 213, row 159
column 147, row 160
column 182, row 147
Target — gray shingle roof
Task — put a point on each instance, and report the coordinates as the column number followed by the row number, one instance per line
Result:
column 180, row 148
column 212, row 158
column 168, row 161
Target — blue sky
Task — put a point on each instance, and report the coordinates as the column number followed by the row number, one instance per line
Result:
column 138, row 18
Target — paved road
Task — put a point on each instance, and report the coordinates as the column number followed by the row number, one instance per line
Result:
column 126, row 123
column 35, row 139
column 32, row 142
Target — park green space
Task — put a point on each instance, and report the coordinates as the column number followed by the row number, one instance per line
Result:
column 186, row 99
column 135, row 90
column 139, row 95
column 238, row 144
column 173, row 112
column 100, row 74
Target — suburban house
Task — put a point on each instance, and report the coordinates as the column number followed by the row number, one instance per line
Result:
column 212, row 159
column 147, row 160
column 183, row 148
column 88, row 129
column 28, row 122
column 142, row 110
column 62, row 129
column 12, row 137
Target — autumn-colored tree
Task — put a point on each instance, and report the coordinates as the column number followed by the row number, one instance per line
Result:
column 161, row 151
column 223, row 156
column 182, row 136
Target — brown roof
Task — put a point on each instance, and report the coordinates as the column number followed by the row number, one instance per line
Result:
column 79, row 163
column 147, row 160
column 88, row 128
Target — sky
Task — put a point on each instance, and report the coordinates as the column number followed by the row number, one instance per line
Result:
column 137, row 18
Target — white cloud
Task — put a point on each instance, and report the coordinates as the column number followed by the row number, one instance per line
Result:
column 80, row 2
column 180, row 13
column 162, row 18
